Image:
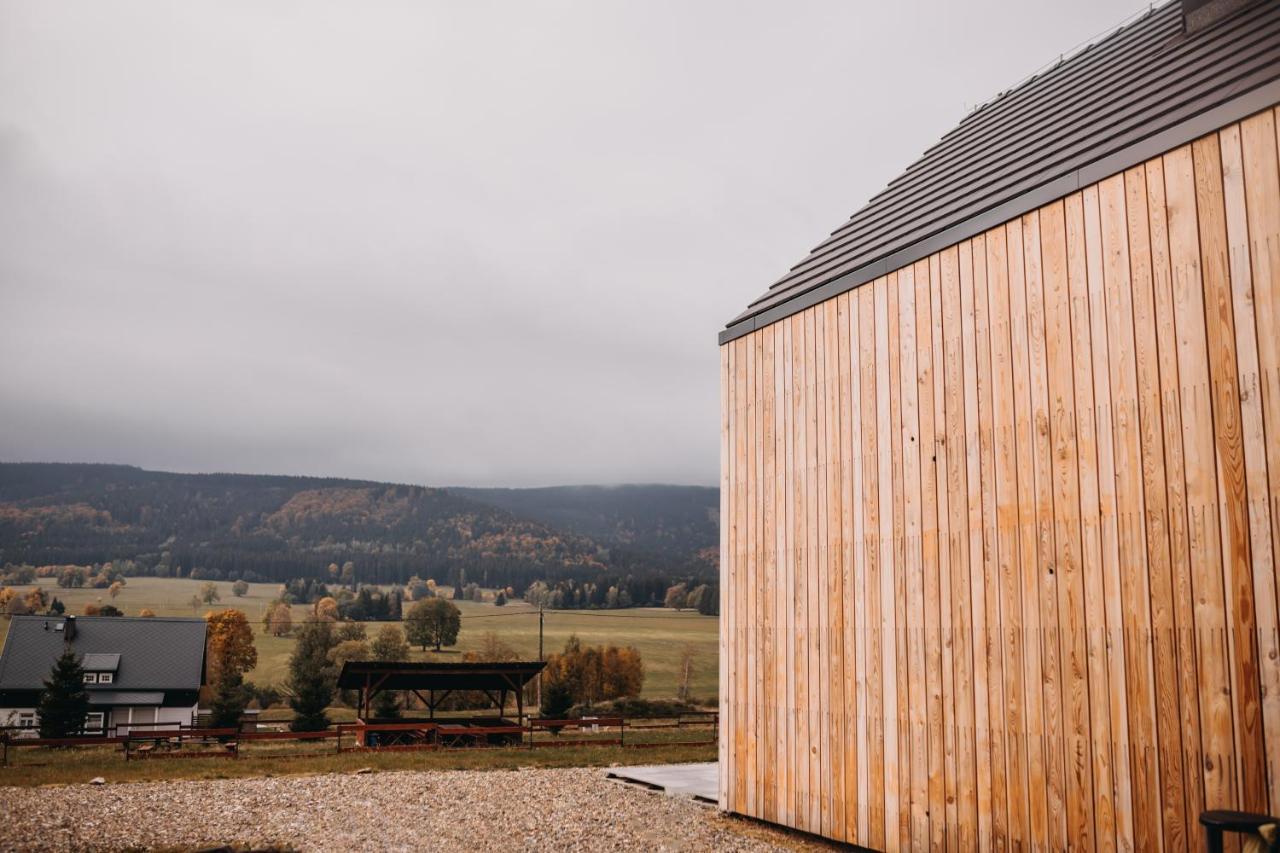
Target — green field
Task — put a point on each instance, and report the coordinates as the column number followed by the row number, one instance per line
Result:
column 40, row 766
column 659, row 634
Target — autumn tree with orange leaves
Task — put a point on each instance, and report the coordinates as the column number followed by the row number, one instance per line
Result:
column 230, row 644
column 229, row 655
column 327, row 609
column 592, row 674
column 278, row 620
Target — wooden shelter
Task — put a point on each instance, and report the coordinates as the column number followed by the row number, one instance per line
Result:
column 1001, row 471
column 434, row 682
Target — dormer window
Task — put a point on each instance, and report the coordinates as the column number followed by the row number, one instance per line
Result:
column 91, row 678
column 106, row 677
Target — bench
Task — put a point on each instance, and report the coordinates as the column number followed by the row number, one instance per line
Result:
column 1217, row 823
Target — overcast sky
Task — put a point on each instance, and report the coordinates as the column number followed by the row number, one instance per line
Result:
column 440, row 242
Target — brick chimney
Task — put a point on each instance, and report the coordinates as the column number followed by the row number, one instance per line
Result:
column 1198, row 15
column 69, row 631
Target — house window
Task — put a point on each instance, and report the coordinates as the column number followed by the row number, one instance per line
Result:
column 91, row 678
column 27, row 720
column 105, row 677
column 93, row 721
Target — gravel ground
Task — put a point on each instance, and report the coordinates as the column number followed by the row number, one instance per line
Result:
column 574, row 809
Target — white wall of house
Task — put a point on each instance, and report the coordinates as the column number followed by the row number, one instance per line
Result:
column 139, row 718
column 150, row 718
column 24, row 717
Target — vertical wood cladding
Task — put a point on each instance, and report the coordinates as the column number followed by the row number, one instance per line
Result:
column 999, row 528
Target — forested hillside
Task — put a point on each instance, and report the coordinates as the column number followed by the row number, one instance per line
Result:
column 276, row 528
column 679, row 524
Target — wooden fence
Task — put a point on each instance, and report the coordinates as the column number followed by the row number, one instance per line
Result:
column 204, row 742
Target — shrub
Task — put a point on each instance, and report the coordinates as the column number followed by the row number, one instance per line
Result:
column 633, row 707
column 209, row 593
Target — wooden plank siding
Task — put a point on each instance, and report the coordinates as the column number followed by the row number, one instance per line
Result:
column 1000, row 528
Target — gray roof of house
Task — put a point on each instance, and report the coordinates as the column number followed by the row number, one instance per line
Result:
column 154, row 653
column 1144, row 89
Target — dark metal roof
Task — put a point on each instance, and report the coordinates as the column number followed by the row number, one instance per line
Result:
column 154, row 654
column 1091, row 115
column 395, row 675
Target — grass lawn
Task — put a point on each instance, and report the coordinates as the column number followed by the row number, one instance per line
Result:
column 40, row 766
column 659, row 634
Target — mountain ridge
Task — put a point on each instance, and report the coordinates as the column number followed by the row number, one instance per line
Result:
column 281, row 526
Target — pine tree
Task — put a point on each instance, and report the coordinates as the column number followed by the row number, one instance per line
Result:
column 557, row 698
column 229, row 700
column 64, row 703
column 311, row 678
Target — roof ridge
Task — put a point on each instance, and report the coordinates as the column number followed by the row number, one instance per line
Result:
column 79, row 617
column 1071, row 53
column 1020, row 97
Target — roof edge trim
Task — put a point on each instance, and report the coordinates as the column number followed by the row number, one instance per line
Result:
column 1257, row 100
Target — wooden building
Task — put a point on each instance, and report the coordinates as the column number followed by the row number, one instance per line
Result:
column 1001, row 471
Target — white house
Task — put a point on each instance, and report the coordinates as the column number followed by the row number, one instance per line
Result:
column 139, row 672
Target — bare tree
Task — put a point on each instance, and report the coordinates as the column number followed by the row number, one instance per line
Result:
column 685, row 674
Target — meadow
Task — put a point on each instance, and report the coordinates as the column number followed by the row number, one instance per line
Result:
column 41, row 766
column 660, row 635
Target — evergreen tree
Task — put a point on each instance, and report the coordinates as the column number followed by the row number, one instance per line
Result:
column 64, row 703
column 229, row 700
column 311, row 677
column 557, row 699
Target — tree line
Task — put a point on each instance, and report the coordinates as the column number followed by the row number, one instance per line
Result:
column 273, row 529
